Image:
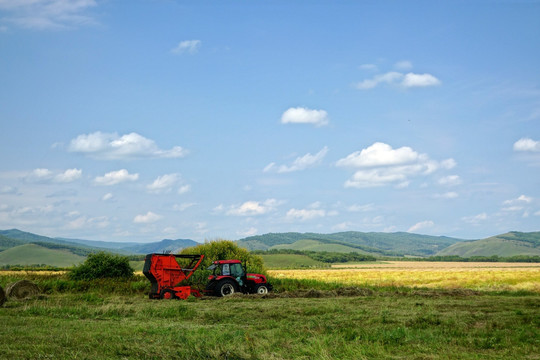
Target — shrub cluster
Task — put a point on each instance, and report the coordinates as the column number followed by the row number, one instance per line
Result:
column 102, row 265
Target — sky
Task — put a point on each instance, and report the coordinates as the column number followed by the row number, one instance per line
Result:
column 152, row 119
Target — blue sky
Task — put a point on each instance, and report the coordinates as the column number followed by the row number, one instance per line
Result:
column 204, row 120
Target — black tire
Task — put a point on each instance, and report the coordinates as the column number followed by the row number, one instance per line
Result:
column 225, row 288
column 167, row 294
column 261, row 289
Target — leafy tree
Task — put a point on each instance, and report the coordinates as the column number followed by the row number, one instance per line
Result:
column 102, row 265
column 222, row 250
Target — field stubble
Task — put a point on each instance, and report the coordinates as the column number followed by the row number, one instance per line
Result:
column 437, row 275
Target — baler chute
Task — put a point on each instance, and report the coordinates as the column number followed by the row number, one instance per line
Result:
column 165, row 275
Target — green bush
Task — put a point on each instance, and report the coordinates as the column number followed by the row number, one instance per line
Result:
column 102, row 265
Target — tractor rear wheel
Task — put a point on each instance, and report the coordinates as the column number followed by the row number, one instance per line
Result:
column 225, row 287
column 261, row 289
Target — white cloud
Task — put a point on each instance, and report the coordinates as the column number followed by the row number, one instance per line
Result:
column 48, row 14
column 163, row 183
column 419, row 80
column 115, row 177
column 183, row 206
column 421, row 225
column 380, row 154
column 5, row 190
column 252, row 208
column 147, row 218
column 187, row 46
column 300, row 163
column 475, row 219
column 46, row 176
column 69, row 175
column 300, row 115
column 248, row 232
column 447, row 195
column 360, row 208
column 450, row 180
column 388, row 78
column 107, row 197
column 370, row 67
column 408, row 80
column 184, row 189
column 523, row 199
column 305, row 214
column 111, row 146
column 403, row 65
column 527, row 144
column 380, row 164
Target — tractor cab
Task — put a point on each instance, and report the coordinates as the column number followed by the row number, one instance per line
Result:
column 229, row 276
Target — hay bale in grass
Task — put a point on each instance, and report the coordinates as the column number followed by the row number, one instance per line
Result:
column 22, row 289
column 2, row 296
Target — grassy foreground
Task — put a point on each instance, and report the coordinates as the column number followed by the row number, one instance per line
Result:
column 423, row 324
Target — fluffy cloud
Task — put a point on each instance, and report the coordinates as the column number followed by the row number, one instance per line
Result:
column 527, row 144
column 116, row 177
column 380, row 164
column 147, row 218
column 46, row 176
column 475, row 219
column 187, row 46
column 451, row 180
column 68, row 176
column 305, row 214
column 111, row 146
column 403, row 65
column 163, row 183
column 419, row 80
column 300, row 163
column 48, row 14
column 300, row 115
column 447, row 195
column 252, row 208
column 421, row 225
column 408, row 80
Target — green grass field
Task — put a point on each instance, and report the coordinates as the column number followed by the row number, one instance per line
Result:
column 115, row 320
column 314, row 245
column 290, row 261
column 32, row 254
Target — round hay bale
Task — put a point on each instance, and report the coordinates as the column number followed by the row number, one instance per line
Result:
column 22, row 289
column 2, row 296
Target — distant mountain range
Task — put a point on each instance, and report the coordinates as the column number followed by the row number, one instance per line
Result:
column 399, row 243
column 14, row 238
column 23, row 248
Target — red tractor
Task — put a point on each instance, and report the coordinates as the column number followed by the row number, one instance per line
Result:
column 229, row 276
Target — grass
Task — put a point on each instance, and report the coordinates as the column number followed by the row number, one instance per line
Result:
column 304, row 319
column 381, row 325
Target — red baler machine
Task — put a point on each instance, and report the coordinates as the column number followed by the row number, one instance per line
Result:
column 165, row 274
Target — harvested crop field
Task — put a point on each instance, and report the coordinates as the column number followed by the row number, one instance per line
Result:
column 438, row 275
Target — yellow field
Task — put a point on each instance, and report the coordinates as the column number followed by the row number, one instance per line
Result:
column 442, row 275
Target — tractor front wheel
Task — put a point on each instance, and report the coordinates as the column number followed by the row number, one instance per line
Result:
column 261, row 289
column 225, row 287
column 167, row 294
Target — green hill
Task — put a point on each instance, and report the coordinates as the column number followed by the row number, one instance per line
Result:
column 390, row 244
column 315, row 245
column 6, row 243
column 33, row 254
column 505, row 245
